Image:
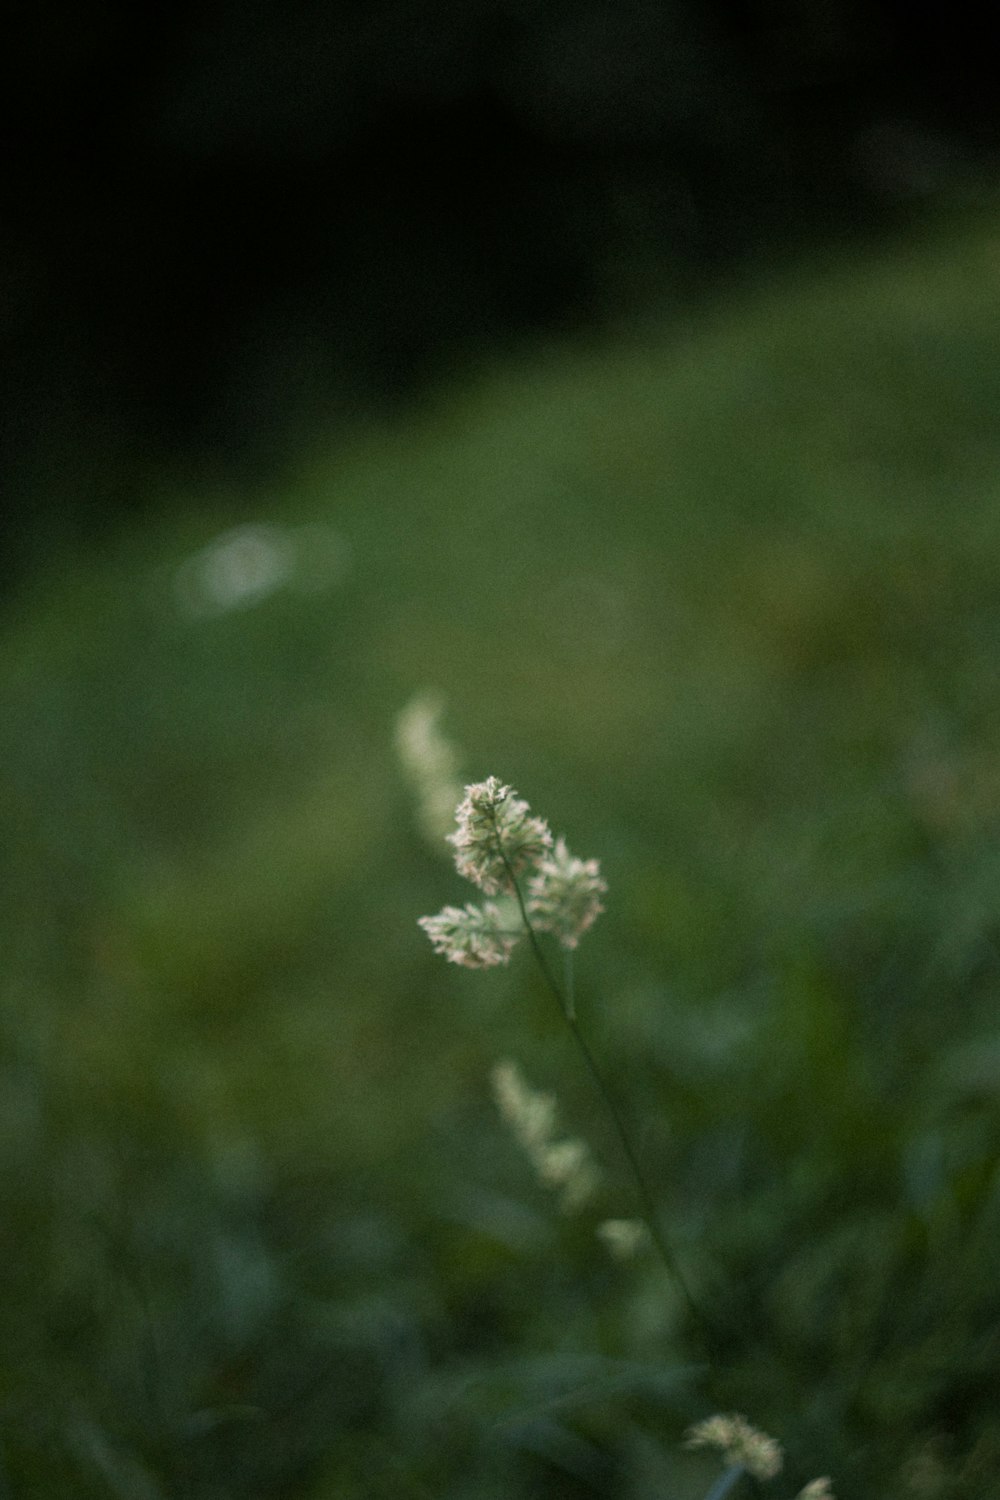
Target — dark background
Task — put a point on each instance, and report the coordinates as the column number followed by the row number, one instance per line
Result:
column 227, row 221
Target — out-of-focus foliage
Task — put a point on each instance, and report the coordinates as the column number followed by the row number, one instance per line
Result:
column 723, row 605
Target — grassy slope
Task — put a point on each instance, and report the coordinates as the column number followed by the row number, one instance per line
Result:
column 723, row 603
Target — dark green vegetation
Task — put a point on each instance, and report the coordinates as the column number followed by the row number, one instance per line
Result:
column 725, row 606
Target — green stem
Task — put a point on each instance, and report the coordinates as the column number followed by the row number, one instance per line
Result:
column 568, row 984
column 568, row 1012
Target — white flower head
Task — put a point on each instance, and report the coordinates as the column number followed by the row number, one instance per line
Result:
column 564, row 895
column 430, row 764
column 817, row 1489
column 473, row 936
column 622, row 1238
column 563, row 1165
column 530, row 1114
column 739, row 1443
column 566, row 1166
column 496, row 838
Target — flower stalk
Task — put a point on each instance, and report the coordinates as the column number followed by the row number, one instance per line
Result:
column 507, row 852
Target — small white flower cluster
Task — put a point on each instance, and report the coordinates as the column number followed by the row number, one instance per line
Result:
column 747, row 1448
column 497, row 840
column 623, row 1238
column 739, row 1444
column 563, row 1165
column 430, row 764
column 817, row 1489
column 473, row 936
column 564, row 896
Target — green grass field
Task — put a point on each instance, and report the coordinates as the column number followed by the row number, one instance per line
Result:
column 722, row 600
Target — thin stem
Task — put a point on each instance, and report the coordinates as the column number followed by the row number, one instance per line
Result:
column 568, row 984
column 645, row 1196
column 725, row 1482
column 567, row 1009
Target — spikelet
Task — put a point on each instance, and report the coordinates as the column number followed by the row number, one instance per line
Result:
column 563, row 1165
column 496, row 838
column 622, row 1238
column 473, row 936
column 430, row 763
column 738, row 1443
column 564, row 895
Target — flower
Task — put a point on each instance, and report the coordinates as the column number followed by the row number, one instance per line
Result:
column 473, row 936
column 430, row 763
column 622, row 1238
column 496, row 840
column 564, row 896
column 531, row 1115
column 566, row 1166
column 739, row 1444
column 817, row 1489
column 496, row 837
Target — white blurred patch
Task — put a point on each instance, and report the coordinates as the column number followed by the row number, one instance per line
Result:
column 247, row 565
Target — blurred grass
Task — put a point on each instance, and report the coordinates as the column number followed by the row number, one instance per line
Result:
column 721, row 600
